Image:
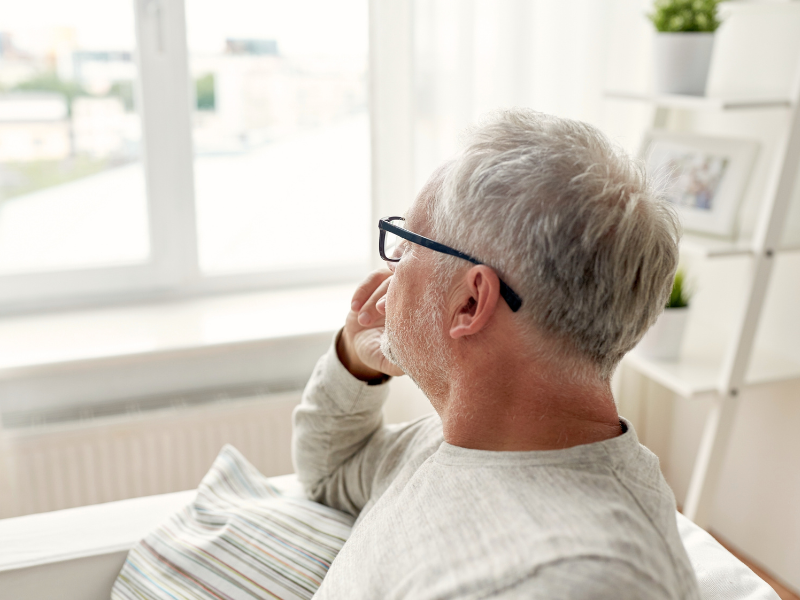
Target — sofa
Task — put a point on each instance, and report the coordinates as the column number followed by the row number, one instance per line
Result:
column 76, row 554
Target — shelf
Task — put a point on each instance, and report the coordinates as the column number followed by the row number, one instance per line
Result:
column 707, row 247
column 690, row 377
column 701, row 102
column 714, row 248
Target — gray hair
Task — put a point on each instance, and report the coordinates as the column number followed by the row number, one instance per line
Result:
column 570, row 222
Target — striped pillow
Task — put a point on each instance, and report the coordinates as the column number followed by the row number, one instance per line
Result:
column 241, row 538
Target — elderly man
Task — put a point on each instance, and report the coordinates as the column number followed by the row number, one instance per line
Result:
column 525, row 269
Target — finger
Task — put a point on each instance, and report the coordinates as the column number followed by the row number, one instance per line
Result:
column 390, row 368
column 368, row 315
column 367, row 345
column 367, row 287
column 380, row 306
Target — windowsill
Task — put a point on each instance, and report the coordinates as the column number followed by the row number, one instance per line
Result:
column 92, row 346
column 51, row 341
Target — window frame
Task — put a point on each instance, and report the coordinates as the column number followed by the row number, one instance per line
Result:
column 164, row 99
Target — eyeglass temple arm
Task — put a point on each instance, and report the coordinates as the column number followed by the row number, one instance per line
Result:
column 510, row 296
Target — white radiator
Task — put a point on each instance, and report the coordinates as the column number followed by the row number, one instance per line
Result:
column 167, row 449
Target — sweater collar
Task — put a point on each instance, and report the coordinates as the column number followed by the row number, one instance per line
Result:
column 613, row 450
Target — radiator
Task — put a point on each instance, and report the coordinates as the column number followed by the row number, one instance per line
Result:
column 166, row 448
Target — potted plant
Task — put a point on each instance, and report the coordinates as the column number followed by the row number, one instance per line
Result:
column 683, row 43
column 663, row 339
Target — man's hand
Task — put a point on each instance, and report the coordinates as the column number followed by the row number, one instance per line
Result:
column 359, row 345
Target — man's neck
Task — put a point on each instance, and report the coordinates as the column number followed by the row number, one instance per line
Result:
column 499, row 405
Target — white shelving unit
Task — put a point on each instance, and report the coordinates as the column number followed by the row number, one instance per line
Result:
column 692, row 377
column 741, row 365
column 714, row 248
column 702, row 102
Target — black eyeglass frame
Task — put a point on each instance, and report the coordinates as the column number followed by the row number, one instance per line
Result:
column 384, row 225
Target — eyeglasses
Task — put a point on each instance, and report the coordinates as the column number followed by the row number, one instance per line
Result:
column 390, row 239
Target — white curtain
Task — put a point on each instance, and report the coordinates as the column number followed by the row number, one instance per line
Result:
column 556, row 56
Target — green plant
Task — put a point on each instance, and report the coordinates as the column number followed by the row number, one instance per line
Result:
column 680, row 295
column 685, row 15
column 206, row 96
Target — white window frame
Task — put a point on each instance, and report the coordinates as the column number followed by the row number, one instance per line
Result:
column 164, row 100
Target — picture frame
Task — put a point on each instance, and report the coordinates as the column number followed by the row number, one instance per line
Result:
column 704, row 177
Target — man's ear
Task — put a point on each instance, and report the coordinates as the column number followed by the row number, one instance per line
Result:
column 477, row 300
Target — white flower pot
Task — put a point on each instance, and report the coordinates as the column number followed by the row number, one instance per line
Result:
column 663, row 339
column 682, row 61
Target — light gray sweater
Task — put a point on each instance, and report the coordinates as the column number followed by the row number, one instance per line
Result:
column 438, row 521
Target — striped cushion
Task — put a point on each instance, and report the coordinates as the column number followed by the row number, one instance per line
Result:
column 241, row 538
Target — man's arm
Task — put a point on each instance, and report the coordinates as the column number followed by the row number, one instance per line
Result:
column 335, row 420
column 340, row 447
column 584, row 578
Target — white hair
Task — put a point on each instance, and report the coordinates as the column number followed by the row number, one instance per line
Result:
column 570, row 222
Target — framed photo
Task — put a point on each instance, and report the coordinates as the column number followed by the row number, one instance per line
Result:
column 704, row 177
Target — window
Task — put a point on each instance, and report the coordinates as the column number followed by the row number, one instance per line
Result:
column 72, row 191
column 281, row 133
column 129, row 165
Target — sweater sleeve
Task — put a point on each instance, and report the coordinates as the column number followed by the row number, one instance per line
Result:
column 340, row 448
column 596, row 578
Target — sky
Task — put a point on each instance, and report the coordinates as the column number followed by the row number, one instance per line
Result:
column 299, row 26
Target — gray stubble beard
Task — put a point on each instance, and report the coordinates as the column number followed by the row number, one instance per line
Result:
column 424, row 360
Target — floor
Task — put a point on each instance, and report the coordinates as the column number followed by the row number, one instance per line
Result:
column 779, row 588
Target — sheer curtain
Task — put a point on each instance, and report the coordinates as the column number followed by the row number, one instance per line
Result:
column 556, row 56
